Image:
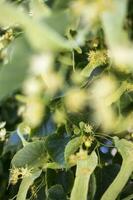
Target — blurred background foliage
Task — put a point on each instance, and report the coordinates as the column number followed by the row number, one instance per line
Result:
column 66, row 83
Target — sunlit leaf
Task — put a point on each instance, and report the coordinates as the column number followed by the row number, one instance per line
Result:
column 32, row 155
column 14, row 73
column 72, row 147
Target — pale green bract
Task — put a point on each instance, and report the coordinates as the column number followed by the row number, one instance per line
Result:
column 83, row 172
column 125, row 148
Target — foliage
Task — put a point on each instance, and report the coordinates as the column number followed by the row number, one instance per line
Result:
column 66, row 99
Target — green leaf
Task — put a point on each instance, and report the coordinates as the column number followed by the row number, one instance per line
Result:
column 61, row 4
column 41, row 36
column 33, row 155
column 59, row 21
column 107, row 175
column 72, row 147
column 13, row 74
column 112, row 18
column 56, row 192
column 39, row 9
column 61, row 177
column 118, row 40
column 55, row 145
column 66, row 179
column 130, row 197
column 25, row 184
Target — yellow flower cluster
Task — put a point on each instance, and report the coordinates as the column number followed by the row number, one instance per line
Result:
column 19, row 173
column 2, row 131
column 88, row 140
column 6, row 38
column 81, row 155
column 98, row 57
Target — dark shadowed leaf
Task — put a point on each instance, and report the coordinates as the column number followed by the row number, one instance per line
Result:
column 55, row 145
column 56, row 192
column 64, row 178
